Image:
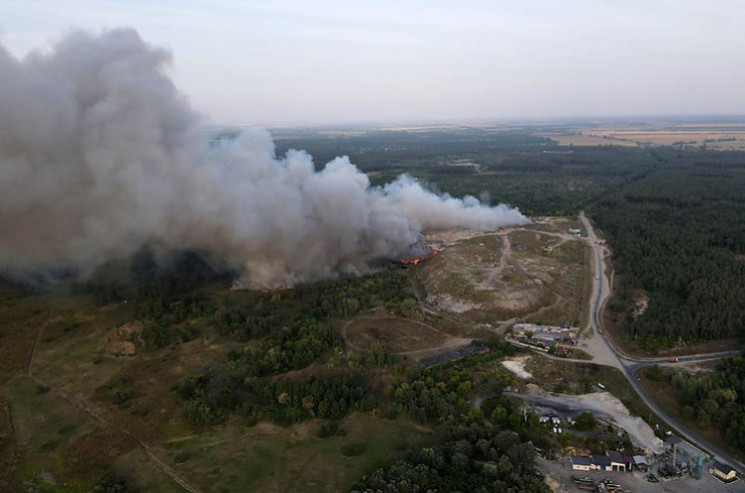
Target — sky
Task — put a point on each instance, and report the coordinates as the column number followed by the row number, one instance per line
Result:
column 244, row 62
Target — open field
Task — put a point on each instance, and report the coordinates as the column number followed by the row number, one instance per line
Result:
column 271, row 458
column 715, row 136
column 398, row 335
column 57, row 439
column 582, row 139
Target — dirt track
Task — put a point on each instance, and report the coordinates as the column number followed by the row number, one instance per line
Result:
column 178, row 479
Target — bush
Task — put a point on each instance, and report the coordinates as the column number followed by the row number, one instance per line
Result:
column 182, row 457
column 585, row 422
column 331, row 428
column 353, row 449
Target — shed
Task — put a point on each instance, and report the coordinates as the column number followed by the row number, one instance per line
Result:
column 618, row 461
column 723, row 472
column 640, row 462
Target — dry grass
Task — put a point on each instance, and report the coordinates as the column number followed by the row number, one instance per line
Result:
column 396, row 334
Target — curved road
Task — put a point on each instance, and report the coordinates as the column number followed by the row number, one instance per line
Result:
column 628, row 364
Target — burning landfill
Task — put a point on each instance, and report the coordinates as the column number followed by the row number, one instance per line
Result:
column 100, row 156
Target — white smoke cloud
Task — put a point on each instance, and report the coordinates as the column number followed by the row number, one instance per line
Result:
column 100, row 155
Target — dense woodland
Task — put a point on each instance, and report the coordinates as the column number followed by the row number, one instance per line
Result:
column 475, row 458
column 678, row 235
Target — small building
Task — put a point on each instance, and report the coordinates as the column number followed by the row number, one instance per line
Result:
column 723, row 472
column 618, row 461
column 601, row 462
column 581, row 463
column 641, row 463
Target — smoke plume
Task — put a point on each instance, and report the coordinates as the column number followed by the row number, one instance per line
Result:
column 100, row 156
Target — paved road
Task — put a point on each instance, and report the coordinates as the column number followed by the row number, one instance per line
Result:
column 601, row 291
column 638, row 363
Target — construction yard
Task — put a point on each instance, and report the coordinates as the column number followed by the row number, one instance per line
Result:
column 559, row 474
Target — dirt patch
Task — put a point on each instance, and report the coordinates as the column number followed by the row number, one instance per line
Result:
column 122, row 341
column 517, row 366
column 451, row 304
column 641, row 303
column 94, row 453
column 477, row 277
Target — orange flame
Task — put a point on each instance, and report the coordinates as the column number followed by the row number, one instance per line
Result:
column 415, row 261
column 282, row 287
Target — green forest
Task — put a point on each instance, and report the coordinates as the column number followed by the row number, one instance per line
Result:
column 678, row 234
column 716, row 399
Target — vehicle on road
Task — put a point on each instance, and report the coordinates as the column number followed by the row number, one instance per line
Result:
column 672, row 360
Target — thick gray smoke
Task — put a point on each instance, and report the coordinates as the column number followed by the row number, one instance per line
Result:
column 100, row 155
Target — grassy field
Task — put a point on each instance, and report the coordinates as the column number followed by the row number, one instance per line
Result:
column 56, row 438
column 270, row 458
column 396, row 334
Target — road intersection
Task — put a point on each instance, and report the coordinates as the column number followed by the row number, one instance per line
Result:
column 605, row 352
